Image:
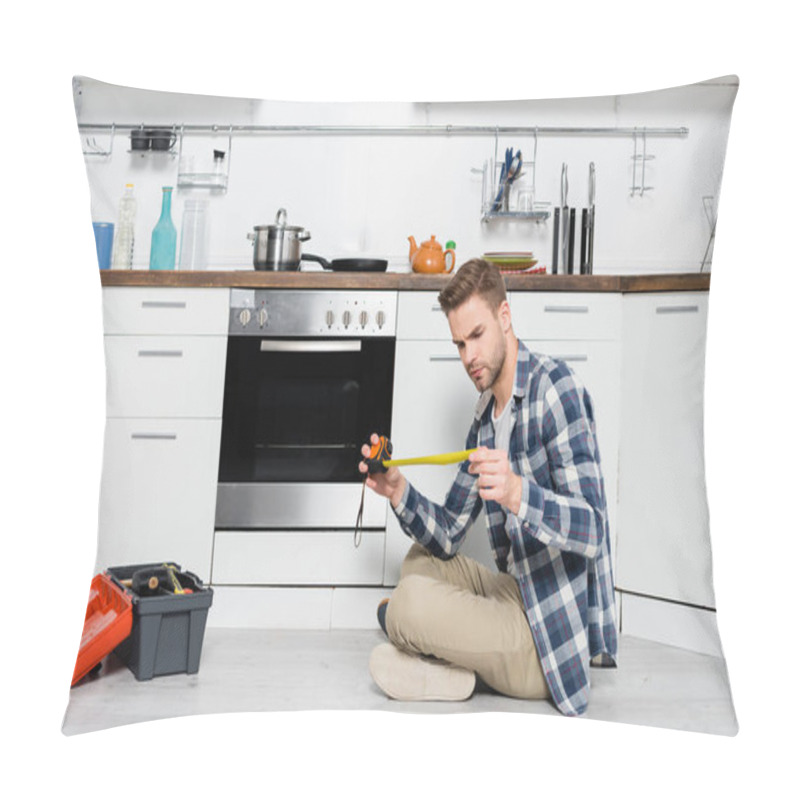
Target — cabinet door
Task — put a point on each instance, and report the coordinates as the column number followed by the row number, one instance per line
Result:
column 597, row 364
column 158, row 492
column 432, row 410
column 663, row 547
column 434, row 403
column 165, row 376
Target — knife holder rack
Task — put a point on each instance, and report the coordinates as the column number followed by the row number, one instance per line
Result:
column 505, row 203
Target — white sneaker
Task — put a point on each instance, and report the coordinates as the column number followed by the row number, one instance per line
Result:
column 402, row 676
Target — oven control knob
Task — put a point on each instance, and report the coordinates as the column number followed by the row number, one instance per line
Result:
column 346, row 318
column 262, row 317
column 363, row 319
column 244, row 316
column 330, row 318
column 380, row 318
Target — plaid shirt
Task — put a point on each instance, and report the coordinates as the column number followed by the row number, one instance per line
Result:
column 557, row 546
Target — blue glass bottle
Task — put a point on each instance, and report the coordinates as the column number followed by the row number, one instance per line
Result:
column 165, row 236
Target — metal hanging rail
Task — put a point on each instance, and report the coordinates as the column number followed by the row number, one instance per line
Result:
column 394, row 130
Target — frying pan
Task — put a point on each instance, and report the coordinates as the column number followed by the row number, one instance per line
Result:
column 349, row 264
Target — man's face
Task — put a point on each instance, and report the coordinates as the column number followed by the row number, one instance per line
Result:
column 480, row 338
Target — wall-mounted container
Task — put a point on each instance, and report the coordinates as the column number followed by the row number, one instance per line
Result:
column 511, row 201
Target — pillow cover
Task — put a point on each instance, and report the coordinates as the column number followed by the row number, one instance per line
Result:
column 603, row 188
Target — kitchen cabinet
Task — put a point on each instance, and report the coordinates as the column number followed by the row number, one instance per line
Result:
column 664, row 547
column 585, row 331
column 165, row 368
column 158, row 492
column 434, row 399
column 639, row 351
column 432, row 409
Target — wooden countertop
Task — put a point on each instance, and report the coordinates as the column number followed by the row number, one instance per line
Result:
column 403, row 281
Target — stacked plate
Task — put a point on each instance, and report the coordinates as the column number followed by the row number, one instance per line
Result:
column 511, row 261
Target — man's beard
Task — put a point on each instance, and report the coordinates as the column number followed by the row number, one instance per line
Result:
column 490, row 370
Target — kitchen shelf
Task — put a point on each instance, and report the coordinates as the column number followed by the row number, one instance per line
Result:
column 202, row 180
column 171, row 152
column 92, row 148
column 540, row 215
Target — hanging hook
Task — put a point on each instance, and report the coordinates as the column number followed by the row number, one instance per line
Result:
column 644, row 159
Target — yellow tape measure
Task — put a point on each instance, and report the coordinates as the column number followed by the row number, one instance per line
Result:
column 441, row 458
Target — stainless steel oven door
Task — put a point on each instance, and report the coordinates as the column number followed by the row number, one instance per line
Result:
column 295, row 414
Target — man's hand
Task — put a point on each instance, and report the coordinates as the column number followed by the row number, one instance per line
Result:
column 389, row 484
column 496, row 481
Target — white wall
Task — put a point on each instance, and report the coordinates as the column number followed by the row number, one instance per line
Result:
column 363, row 195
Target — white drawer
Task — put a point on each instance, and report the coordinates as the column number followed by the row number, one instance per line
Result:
column 138, row 309
column 165, row 376
column 321, row 558
column 566, row 315
column 535, row 315
column 419, row 316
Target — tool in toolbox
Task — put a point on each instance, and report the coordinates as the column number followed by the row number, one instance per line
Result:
column 380, row 460
column 155, row 580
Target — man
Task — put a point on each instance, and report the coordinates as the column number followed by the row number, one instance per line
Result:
column 531, row 629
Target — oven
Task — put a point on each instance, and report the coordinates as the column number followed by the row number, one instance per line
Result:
column 308, row 378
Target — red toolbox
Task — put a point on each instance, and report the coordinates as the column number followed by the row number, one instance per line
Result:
column 109, row 618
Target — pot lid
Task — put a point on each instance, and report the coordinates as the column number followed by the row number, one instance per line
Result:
column 278, row 228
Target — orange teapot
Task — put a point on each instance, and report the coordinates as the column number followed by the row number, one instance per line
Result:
column 429, row 256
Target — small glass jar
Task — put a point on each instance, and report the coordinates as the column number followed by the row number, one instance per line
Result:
column 194, row 235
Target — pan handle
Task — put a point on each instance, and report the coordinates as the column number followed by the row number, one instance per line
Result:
column 319, row 259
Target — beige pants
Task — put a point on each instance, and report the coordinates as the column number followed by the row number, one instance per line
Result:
column 461, row 612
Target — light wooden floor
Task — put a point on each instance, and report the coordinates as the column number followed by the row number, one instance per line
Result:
column 278, row 670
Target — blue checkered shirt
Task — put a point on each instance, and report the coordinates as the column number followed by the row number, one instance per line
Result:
column 557, row 546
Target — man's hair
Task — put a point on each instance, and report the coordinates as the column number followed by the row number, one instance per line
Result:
column 474, row 277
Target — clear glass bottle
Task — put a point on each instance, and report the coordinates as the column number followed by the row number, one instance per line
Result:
column 164, row 239
column 194, row 235
column 122, row 254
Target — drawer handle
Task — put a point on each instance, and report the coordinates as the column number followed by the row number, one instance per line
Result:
column 677, row 309
column 161, row 353
column 572, row 358
column 154, row 436
column 436, row 357
column 163, row 304
column 566, row 309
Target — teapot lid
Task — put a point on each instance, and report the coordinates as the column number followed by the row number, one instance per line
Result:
column 432, row 243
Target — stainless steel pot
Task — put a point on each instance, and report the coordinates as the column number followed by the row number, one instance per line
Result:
column 278, row 246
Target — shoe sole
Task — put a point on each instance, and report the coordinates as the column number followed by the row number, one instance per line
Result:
column 413, row 678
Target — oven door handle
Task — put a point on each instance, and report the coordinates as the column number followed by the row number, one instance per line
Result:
column 305, row 346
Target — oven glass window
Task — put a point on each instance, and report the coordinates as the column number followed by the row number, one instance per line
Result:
column 302, row 415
